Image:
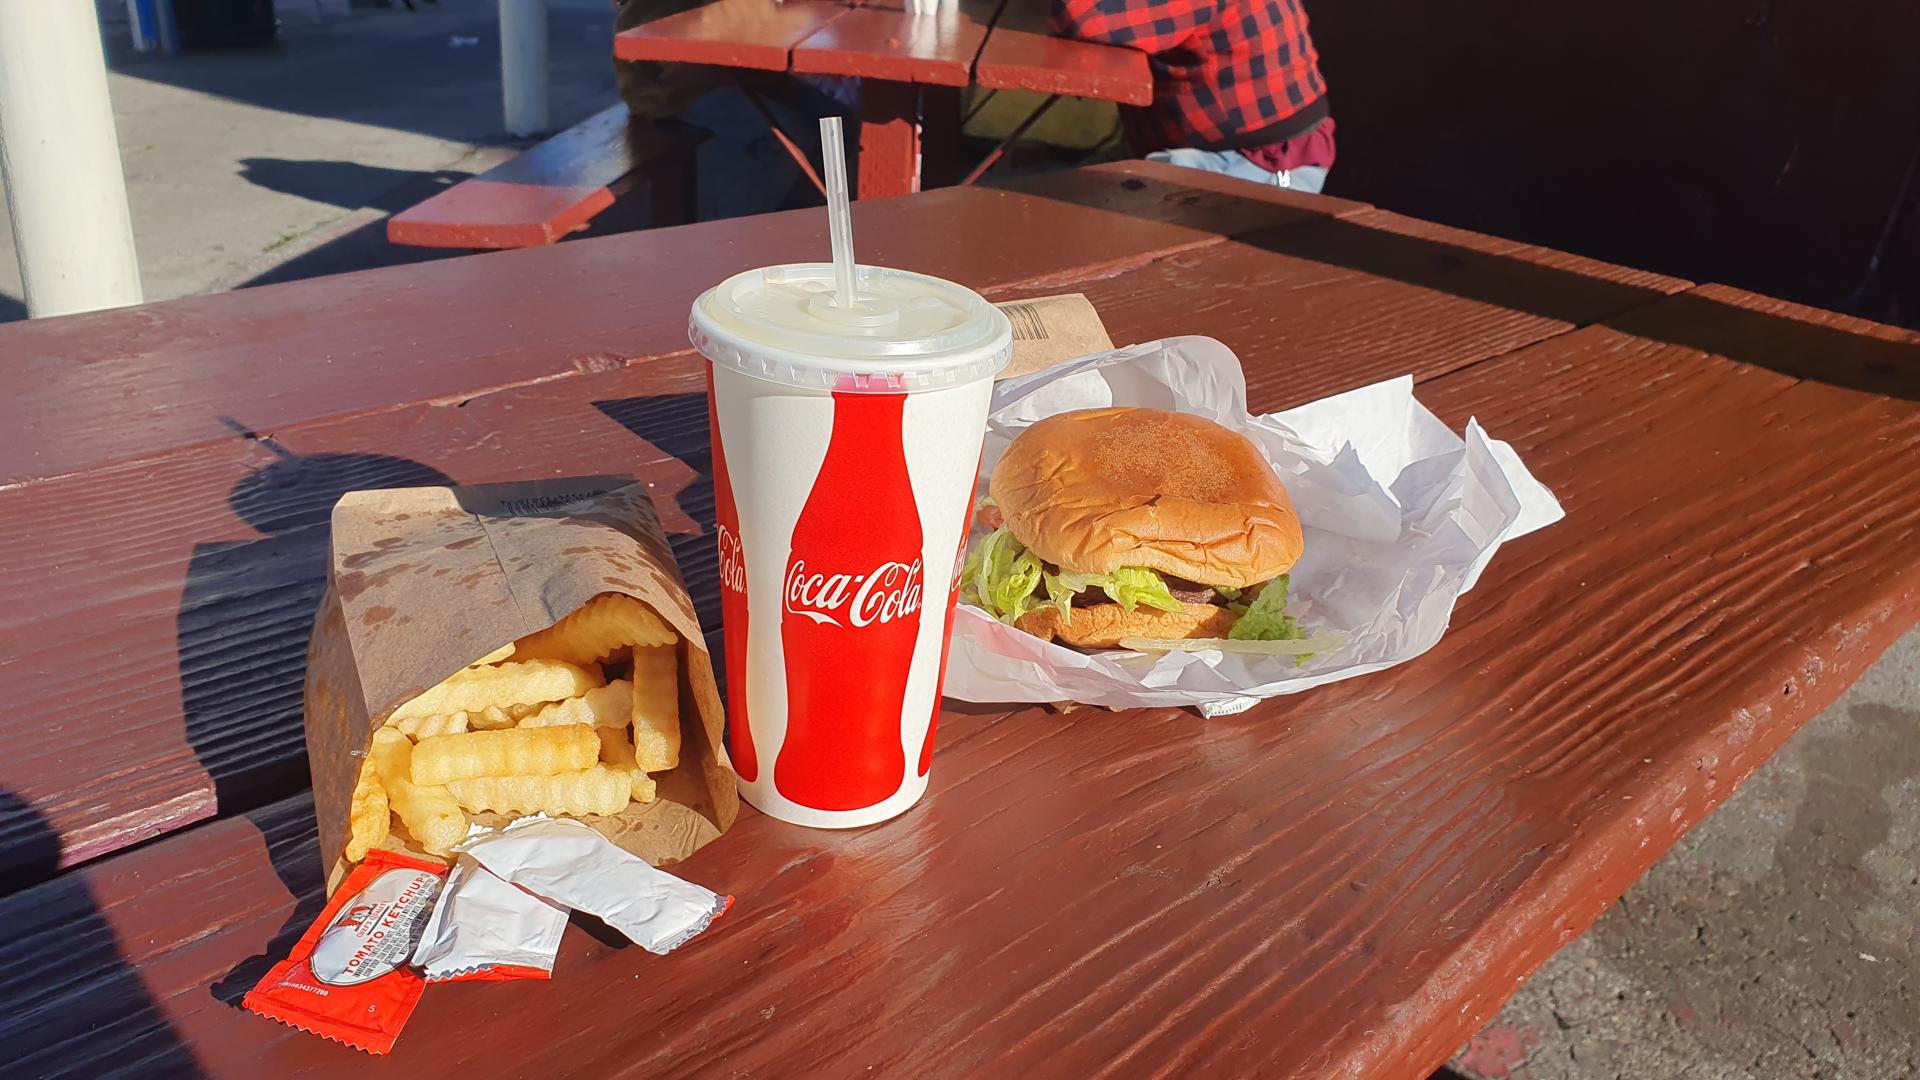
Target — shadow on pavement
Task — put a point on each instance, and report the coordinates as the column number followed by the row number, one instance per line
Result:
column 348, row 184
column 361, row 243
column 435, row 71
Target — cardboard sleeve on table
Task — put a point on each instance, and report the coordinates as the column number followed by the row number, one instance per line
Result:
column 424, row 581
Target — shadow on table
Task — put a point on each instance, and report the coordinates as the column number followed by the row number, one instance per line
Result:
column 1779, row 342
column 676, row 425
column 75, row 1006
column 247, row 612
column 293, row 849
column 243, row 627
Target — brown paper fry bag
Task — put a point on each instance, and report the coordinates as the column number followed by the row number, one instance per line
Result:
column 424, row 581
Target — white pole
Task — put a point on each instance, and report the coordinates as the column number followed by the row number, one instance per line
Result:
column 60, row 161
column 523, row 65
column 141, row 43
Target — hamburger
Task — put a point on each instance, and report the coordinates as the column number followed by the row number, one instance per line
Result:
column 1125, row 523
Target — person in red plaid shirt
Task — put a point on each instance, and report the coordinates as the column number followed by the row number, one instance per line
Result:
column 1236, row 84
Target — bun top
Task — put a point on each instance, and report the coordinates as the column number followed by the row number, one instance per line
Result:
column 1099, row 489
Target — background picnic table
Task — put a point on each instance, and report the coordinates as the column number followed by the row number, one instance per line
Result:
column 1348, row 881
column 912, row 67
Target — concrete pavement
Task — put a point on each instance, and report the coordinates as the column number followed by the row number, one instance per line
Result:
column 237, row 161
column 1776, row 941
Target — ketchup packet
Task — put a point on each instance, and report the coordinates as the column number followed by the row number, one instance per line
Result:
column 347, row 978
column 484, row 928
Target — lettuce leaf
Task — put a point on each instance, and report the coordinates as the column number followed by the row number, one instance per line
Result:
column 1129, row 586
column 1059, row 593
column 1266, row 619
column 1132, row 586
column 1001, row 575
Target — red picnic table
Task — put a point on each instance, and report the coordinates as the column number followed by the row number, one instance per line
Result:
column 912, row 67
column 1347, row 882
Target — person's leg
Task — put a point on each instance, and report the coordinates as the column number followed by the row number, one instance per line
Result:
column 1306, row 178
column 1213, row 161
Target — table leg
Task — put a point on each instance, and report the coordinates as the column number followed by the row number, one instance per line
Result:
column 939, row 136
column 889, row 139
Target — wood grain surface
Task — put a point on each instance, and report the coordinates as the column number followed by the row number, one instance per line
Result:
column 187, row 372
column 1150, row 191
column 198, row 570
column 754, row 34
column 881, row 40
column 1344, row 883
column 543, row 194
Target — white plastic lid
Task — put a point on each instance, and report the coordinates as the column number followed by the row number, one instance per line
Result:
column 908, row 332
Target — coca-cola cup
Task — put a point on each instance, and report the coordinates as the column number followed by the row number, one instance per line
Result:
column 846, row 445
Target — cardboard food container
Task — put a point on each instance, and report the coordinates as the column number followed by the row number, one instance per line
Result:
column 424, row 581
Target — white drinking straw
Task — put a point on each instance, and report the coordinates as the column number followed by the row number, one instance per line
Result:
column 839, row 215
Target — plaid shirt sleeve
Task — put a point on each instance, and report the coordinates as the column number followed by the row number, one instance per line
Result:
column 1152, row 26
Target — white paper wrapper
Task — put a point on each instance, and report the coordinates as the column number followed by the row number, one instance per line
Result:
column 482, row 923
column 569, row 864
column 1400, row 514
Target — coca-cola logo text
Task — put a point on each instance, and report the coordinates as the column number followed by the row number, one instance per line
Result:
column 733, row 564
column 890, row 592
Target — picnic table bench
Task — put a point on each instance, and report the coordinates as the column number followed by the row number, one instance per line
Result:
column 557, row 186
column 1346, row 882
column 912, row 67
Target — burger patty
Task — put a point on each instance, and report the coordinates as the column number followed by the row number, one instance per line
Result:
column 1187, row 592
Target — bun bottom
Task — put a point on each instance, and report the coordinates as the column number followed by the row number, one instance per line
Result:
column 1103, row 625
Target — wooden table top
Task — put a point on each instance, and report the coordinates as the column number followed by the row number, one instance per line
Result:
column 1346, row 882
column 998, row 44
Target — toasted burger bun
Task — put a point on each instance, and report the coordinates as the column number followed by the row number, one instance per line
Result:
column 1103, row 625
column 1100, row 489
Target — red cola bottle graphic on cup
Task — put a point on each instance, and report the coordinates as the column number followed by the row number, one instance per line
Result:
column 850, row 613
column 733, row 601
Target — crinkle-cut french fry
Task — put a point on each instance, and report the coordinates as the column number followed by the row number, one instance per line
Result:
column 430, row 724
column 603, row 626
column 616, row 752
column 491, row 718
column 495, row 717
column 498, row 656
column 369, row 817
column 656, row 707
column 513, row 752
column 616, row 748
column 515, row 683
column 429, row 812
column 609, row 706
column 599, row 789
